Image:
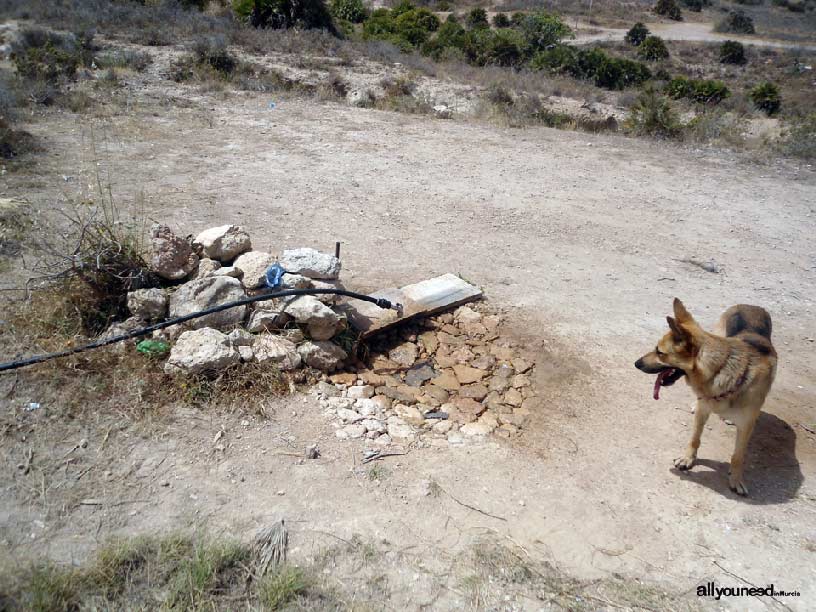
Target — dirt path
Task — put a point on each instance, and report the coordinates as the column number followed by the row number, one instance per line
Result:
column 682, row 30
column 580, row 237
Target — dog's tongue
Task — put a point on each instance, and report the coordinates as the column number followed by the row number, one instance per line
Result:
column 659, row 382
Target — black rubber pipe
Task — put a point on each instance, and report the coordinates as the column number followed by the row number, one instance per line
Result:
column 13, row 365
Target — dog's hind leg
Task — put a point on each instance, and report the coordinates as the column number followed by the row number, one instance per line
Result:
column 701, row 414
column 744, row 431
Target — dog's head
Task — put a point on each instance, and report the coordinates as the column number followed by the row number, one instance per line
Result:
column 674, row 354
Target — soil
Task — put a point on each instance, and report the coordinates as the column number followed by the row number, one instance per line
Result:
column 581, row 239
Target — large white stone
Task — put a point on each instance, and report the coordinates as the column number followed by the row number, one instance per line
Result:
column 147, row 303
column 204, row 293
column 310, row 263
column 322, row 355
column 201, row 350
column 223, row 243
column 253, row 265
column 321, row 320
column 274, row 349
column 171, row 257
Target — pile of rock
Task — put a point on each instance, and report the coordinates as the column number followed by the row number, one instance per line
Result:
column 448, row 377
column 219, row 266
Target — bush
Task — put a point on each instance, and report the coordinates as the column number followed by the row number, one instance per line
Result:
column 501, row 20
column 668, row 8
column 653, row 115
column 477, row 18
column 406, row 26
column 450, row 35
column 737, row 22
column 279, row 14
column 637, row 34
column 42, row 55
column 349, row 10
column 765, row 97
column 213, row 52
column 653, row 49
column 732, row 52
column 703, row 91
column 696, row 5
column 415, row 26
column 485, row 47
column 801, row 140
column 542, row 30
column 594, row 64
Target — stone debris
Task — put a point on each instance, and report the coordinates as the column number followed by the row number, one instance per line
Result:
column 441, row 377
column 441, row 366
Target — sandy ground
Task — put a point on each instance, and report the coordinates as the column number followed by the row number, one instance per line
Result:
column 682, row 30
column 579, row 237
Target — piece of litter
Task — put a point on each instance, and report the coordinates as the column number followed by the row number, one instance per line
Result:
column 271, row 105
column 32, row 406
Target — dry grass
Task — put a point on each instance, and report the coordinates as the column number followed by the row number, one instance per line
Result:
column 178, row 572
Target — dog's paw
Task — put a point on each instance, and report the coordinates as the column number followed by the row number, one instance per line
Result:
column 685, row 463
column 737, row 486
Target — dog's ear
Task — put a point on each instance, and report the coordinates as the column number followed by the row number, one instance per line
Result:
column 681, row 314
column 677, row 329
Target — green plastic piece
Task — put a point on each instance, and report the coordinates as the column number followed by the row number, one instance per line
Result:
column 153, row 347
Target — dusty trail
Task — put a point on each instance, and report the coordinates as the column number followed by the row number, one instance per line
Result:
column 582, row 238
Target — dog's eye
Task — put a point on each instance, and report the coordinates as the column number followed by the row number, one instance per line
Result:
column 658, row 352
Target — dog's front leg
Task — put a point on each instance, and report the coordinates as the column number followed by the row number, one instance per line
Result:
column 701, row 414
column 744, row 431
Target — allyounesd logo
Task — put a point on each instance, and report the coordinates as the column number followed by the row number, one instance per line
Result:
column 710, row 589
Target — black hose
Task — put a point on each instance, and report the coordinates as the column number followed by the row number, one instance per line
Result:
column 13, row 365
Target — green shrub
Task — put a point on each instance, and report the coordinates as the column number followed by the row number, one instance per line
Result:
column 450, row 35
column 696, row 6
column 485, row 47
column 703, row 91
column 736, row 22
column 637, row 34
column 279, row 14
column 653, row 49
column 516, row 19
column 801, row 139
column 559, row 59
column 353, row 11
column 652, row 115
column 49, row 57
column 710, row 91
column 416, row 25
column 732, row 52
column 668, row 8
column 501, row 20
column 766, row 98
column 542, row 30
column 477, row 18
column 593, row 64
column 406, row 26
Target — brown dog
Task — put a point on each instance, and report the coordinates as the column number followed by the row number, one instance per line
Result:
column 730, row 371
